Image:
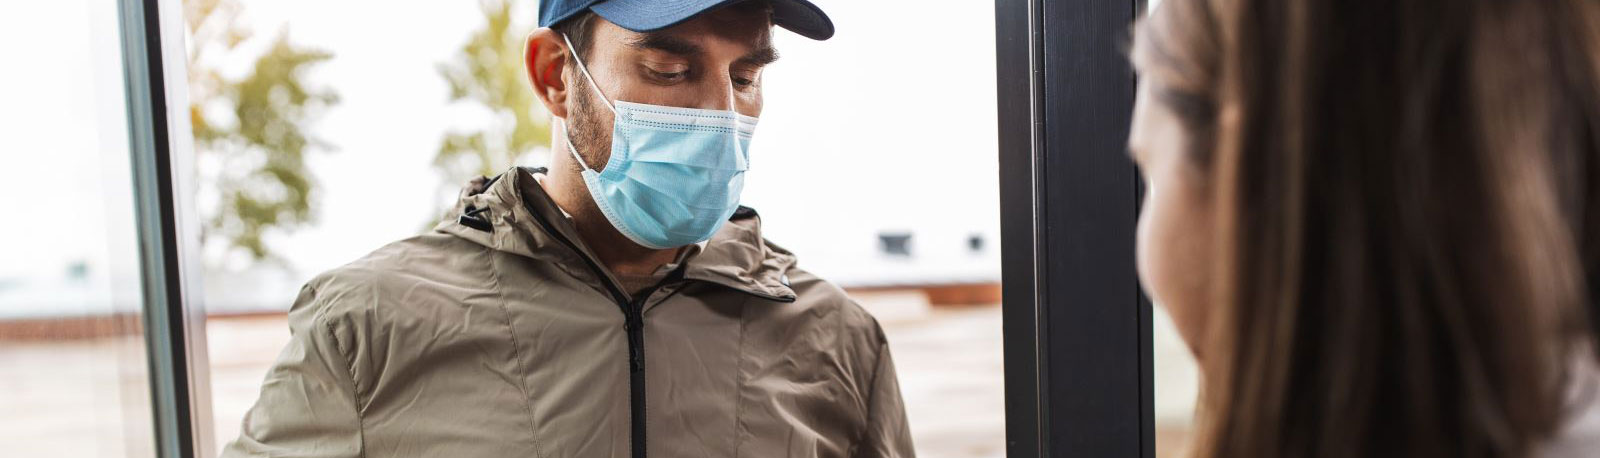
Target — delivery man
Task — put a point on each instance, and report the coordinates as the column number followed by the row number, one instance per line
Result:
column 619, row 304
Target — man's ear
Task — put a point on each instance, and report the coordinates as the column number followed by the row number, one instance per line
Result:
column 545, row 57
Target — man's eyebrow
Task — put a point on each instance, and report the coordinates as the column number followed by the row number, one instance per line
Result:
column 667, row 43
column 760, row 57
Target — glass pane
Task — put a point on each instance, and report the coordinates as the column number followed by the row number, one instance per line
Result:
column 879, row 168
column 72, row 357
column 913, row 237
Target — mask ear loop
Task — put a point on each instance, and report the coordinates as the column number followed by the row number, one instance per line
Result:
column 566, row 134
column 566, row 128
column 585, row 71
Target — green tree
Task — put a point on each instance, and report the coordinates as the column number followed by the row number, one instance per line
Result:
column 488, row 71
column 251, row 132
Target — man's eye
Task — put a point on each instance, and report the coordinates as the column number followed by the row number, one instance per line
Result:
column 669, row 76
column 744, row 79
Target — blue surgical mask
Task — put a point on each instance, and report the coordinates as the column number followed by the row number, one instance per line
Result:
column 675, row 174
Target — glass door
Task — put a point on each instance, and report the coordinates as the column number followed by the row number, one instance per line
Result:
column 74, row 372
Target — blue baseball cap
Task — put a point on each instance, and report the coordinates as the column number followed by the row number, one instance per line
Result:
column 799, row 16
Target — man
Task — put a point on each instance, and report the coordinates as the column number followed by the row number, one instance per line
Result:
column 620, row 304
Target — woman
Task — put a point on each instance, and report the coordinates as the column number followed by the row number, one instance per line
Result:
column 1376, row 224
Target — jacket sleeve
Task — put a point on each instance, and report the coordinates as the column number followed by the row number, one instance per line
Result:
column 308, row 406
column 887, row 434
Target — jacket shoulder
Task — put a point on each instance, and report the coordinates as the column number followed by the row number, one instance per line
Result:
column 825, row 337
column 413, row 290
column 822, row 299
column 408, row 278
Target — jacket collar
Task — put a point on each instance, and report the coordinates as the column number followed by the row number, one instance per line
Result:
column 739, row 257
column 515, row 215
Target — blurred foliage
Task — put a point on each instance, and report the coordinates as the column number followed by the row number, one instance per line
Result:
column 251, row 132
column 488, row 71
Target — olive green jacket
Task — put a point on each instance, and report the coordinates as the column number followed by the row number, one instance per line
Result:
column 497, row 335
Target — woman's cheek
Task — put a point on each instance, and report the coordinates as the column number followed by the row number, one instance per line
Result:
column 1146, row 247
column 1155, row 247
column 1171, row 257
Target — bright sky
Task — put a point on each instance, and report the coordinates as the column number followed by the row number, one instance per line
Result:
column 889, row 126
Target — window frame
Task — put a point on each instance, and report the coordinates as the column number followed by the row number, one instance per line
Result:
column 1078, row 353
column 161, row 155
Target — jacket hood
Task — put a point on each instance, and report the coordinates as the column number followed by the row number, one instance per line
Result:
column 515, row 215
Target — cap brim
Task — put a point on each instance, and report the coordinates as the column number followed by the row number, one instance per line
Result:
column 799, row 16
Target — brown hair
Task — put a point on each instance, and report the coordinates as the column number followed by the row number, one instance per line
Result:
column 1407, row 197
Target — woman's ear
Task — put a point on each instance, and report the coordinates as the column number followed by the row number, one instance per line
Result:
column 545, row 59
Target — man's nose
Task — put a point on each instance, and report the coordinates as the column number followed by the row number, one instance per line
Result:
column 718, row 94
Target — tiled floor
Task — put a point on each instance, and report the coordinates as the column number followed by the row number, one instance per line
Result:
column 85, row 398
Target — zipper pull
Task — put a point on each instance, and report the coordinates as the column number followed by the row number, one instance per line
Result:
column 635, row 330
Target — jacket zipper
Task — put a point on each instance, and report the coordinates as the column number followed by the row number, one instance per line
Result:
column 633, row 325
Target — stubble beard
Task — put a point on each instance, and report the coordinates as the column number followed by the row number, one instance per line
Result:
column 583, row 127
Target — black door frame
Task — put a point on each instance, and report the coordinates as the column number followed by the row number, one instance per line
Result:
column 1077, row 328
